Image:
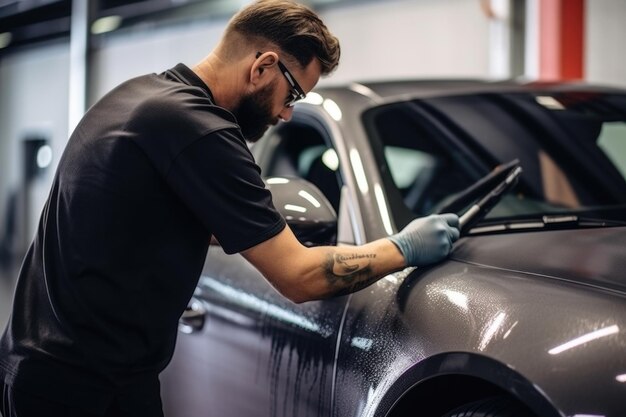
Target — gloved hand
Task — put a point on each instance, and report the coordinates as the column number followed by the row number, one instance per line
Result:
column 428, row 239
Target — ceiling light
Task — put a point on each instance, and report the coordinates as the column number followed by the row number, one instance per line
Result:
column 44, row 156
column 106, row 24
column 5, row 39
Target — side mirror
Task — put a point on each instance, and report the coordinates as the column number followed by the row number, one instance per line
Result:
column 307, row 211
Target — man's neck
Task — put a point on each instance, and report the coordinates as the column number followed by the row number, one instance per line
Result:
column 222, row 78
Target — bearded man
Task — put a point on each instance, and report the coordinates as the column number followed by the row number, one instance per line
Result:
column 153, row 171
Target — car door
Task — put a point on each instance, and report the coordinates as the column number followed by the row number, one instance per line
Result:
column 243, row 349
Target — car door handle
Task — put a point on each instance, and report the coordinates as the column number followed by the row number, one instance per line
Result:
column 193, row 317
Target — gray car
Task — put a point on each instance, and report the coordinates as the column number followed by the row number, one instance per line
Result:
column 527, row 317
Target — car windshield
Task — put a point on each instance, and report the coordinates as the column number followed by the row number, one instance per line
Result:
column 571, row 146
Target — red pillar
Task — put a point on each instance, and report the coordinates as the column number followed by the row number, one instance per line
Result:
column 561, row 37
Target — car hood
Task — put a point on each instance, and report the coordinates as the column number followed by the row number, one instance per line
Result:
column 592, row 257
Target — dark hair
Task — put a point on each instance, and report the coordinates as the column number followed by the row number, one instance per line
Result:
column 293, row 27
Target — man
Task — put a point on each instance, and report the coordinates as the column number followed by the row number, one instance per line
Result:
column 154, row 170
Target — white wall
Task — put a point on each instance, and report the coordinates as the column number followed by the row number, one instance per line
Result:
column 411, row 38
column 390, row 39
column 33, row 100
column 605, row 34
column 151, row 51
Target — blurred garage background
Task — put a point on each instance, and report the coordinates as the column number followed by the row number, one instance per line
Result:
column 57, row 57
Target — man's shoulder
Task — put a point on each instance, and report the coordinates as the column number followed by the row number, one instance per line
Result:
column 175, row 106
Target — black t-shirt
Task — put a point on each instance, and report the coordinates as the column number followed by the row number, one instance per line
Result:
column 152, row 171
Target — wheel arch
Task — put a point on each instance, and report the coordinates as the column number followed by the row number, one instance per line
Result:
column 465, row 377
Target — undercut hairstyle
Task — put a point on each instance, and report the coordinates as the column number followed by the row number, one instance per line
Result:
column 293, row 27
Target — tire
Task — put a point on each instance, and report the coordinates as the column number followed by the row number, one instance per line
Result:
column 490, row 407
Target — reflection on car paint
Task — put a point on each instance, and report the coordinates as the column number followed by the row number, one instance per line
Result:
column 359, row 173
column 273, row 311
column 299, row 357
column 382, row 208
column 491, row 329
column 362, row 343
column 307, row 196
column 313, row 98
column 586, row 338
column 333, row 109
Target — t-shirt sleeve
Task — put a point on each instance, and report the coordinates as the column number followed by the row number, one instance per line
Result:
column 217, row 178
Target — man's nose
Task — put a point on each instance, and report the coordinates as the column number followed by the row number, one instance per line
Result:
column 286, row 113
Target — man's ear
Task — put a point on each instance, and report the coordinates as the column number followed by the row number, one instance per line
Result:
column 261, row 63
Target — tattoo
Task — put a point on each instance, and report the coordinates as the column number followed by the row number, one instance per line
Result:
column 349, row 273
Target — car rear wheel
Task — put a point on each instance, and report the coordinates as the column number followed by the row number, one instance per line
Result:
column 490, row 407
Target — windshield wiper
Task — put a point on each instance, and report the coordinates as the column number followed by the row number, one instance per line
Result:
column 461, row 200
column 484, row 194
column 547, row 222
column 479, row 210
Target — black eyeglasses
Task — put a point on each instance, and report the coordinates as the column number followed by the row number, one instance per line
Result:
column 296, row 92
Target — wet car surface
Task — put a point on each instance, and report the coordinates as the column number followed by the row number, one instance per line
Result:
column 530, row 308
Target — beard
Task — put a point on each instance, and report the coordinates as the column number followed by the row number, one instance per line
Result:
column 254, row 113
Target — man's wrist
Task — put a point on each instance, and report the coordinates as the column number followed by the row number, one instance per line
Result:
column 395, row 242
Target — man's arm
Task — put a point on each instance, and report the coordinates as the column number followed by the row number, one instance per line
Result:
column 303, row 274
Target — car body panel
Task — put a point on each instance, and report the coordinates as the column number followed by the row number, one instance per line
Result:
column 257, row 353
column 516, row 318
column 596, row 257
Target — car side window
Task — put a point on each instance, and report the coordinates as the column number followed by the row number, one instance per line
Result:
column 421, row 167
column 303, row 151
column 612, row 141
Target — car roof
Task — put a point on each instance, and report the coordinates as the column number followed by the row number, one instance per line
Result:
column 422, row 88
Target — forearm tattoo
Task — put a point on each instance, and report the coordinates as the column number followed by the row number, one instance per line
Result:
column 349, row 273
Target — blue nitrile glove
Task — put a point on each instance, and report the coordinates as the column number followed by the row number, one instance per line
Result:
column 428, row 239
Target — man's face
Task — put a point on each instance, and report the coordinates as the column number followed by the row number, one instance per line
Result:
column 254, row 113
